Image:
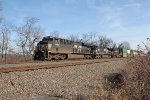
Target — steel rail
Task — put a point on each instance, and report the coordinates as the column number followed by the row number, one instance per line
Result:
column 27, row 68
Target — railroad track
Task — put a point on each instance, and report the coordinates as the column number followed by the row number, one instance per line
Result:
column 53, row 65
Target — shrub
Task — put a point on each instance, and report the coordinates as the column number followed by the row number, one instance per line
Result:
column 134, row 80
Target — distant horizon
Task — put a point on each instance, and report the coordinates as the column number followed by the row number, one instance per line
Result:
column 120, row 20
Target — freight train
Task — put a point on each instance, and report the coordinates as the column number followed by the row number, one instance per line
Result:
column 59, row 49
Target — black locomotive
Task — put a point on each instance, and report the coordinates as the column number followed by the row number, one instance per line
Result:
column 57, row 48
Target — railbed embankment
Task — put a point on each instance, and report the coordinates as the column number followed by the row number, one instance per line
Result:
column 44, row 83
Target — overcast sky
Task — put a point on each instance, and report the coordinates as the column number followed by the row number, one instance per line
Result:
column 121, row 20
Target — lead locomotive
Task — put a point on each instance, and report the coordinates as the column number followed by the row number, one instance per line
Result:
column 57, row 48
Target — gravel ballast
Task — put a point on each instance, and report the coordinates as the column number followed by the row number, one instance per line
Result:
column 51, row 84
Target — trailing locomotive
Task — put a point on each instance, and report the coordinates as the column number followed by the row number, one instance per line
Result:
column 57, row 48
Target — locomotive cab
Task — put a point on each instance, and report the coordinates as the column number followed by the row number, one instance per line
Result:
column 41, row 51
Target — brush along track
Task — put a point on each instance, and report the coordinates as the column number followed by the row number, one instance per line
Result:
column 26, row 68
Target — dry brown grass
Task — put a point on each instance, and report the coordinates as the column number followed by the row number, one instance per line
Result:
column 16, row 58
column 137, row 78
column 133, row 83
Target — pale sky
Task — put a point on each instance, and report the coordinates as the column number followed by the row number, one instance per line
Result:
column 121, row 20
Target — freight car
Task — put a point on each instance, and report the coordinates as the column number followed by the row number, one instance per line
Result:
column 115, row 52
column 57, row 48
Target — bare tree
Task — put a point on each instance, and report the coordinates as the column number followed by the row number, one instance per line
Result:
column 104, row 42
column 1, row 17
column 94, row 39
column 5, row 30
column 28, row 35
column 55, row 34
column 74, row 37
column 124, row 45
column 138, row 47
column 90, row 38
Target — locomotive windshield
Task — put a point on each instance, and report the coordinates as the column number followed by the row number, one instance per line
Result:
column 49, row 39
column 42, row 45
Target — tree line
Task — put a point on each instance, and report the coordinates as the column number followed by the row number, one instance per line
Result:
column 21, row 40
column 27, row 35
